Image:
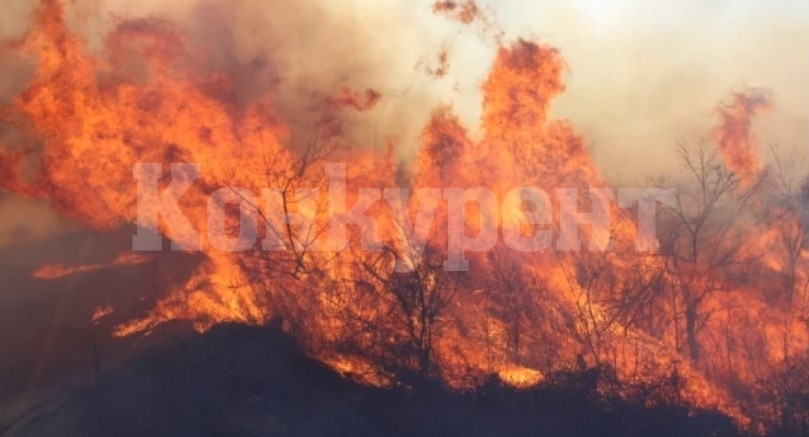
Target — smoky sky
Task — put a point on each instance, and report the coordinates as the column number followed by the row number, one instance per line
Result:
column 647, row 74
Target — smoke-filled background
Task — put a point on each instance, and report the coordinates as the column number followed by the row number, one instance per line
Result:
column 642, row 74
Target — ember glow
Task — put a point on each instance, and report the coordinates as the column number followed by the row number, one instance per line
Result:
column 720, row 305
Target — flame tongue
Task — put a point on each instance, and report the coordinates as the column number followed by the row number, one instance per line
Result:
column 733, row 134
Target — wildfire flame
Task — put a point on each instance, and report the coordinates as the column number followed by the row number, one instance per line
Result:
column 55, row 271
column 733, row 134
column 526, row 314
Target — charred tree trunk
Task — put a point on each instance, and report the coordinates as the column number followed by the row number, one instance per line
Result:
column 691, row 332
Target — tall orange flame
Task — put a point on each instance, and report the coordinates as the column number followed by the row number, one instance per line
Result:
column 733, row 134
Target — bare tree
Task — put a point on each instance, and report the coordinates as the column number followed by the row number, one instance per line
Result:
column 787, row 211
column 512, row 294
column 296, row 184
column 410, row 305
column 705, row 246
column 615, row 293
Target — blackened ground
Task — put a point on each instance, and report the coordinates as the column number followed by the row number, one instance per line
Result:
column 242, row 381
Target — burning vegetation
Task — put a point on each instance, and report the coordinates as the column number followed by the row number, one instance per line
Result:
column 717, row 318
